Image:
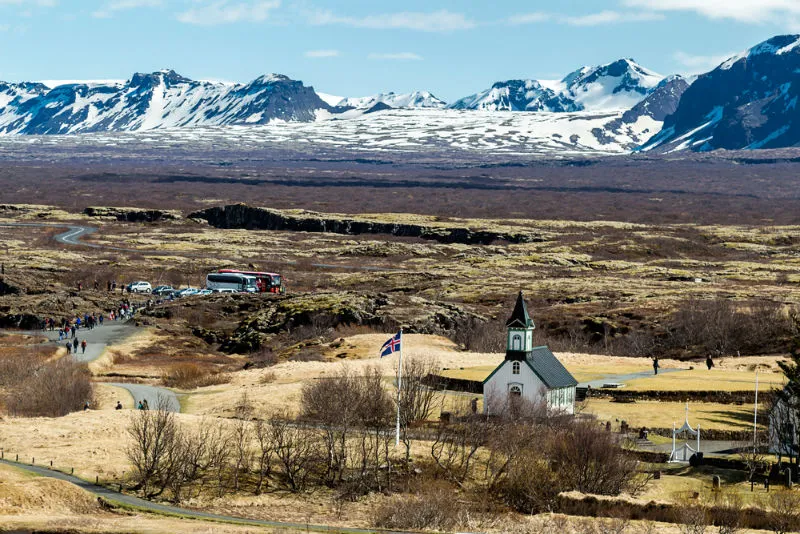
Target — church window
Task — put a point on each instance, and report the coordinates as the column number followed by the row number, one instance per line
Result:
column 515, row 368
column 516, row 342
column 516, row 391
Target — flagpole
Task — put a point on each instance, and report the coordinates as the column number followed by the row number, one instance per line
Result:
column 399, row 386
column 755, row 418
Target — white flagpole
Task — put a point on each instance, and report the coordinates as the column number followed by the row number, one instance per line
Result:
column 399, row 386
column 755, row 418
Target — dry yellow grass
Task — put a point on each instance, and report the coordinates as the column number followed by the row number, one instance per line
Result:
column 704, row 380
column 284, row 391
column 106, row 397
column 661, row 414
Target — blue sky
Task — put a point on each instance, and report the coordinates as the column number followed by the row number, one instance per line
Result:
column 356, row 47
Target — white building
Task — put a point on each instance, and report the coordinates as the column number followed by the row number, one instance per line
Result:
column 531, row 375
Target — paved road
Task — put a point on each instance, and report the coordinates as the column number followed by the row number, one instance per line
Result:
column 153, row 395
column 110, row 333
column 96, row 339
column 129, row 500
column 621, row 379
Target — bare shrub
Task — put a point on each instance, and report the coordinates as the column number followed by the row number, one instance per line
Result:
column 476, row 335
column 347, row 406
column 15, row 368
column 784, row 507
column 54, row 390
column 529, row 474
column 416, row 399
column 432, row 510
column 296, row 451
column 691, row 515
column 187, row 375
column 153, row 450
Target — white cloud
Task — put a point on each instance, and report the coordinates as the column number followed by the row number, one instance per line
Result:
column 592, row 19
column 695, row 64
column 110, row 8
column 529, row 18
column 321, row 53
column 210, row 13
column 29, row 3
column 399, row 56
column 436, row 21
column 609, row 17
column 751, row 11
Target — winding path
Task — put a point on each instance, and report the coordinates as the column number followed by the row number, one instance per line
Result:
column 131, row 501
column 97, row 339
column 617, row 379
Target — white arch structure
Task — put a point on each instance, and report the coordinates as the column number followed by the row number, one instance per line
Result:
column 685, row 451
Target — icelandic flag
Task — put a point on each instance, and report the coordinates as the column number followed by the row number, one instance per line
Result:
column 391, row 346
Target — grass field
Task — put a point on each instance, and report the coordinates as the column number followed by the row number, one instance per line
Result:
column 739, row 378
column 705, row 380
column 710, row 416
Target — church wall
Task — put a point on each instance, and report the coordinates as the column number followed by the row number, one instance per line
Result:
column 496, row 389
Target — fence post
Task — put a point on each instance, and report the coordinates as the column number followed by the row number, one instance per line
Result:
column 51, row 464
column 33, row 461
column 72, row 471
column 97, row 479
column 17, row 460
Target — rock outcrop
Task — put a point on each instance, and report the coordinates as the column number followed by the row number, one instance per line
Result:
column 132, row 214
column 254, row 218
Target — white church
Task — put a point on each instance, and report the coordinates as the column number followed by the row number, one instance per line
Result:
column 530, row 374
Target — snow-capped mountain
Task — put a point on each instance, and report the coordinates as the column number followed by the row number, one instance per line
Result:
column 17, row 93
column 614, row 86
column 158, row 100
column 749, row 101
column 618, row 85
column 417, row 99
column 517, row 95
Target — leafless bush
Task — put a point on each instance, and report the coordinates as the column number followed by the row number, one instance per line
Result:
column 53, row 390
column 728, row 512
column 691, row 515
column 16, row 368
column 564, row 457
column 476, row 335
column 187, row 375
column 154, row 449
column 784, row 507
column 456, row 445
column 296, row 451
column 431, row 510
column 416, row 399
column 347, row 406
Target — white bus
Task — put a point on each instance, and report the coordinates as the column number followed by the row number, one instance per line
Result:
column 231, row 281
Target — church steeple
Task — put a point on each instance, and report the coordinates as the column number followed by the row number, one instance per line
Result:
column 520, row 331
column 519, row 317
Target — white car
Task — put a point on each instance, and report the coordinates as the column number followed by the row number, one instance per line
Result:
column 188, row 292
column 140, row 287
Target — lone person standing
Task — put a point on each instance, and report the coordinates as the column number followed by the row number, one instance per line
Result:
column 709, row 362
column 655, row 365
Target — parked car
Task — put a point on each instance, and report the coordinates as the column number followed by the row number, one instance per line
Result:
column 162, row 290
column 206, row 292
column 140, row 287
column 224, row 291
column 188, row 292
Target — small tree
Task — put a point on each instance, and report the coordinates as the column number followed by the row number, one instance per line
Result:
column 154, row 436
column 416, row 398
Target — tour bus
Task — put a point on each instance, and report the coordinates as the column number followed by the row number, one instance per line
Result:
column 232, row 281
column 265, row 282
